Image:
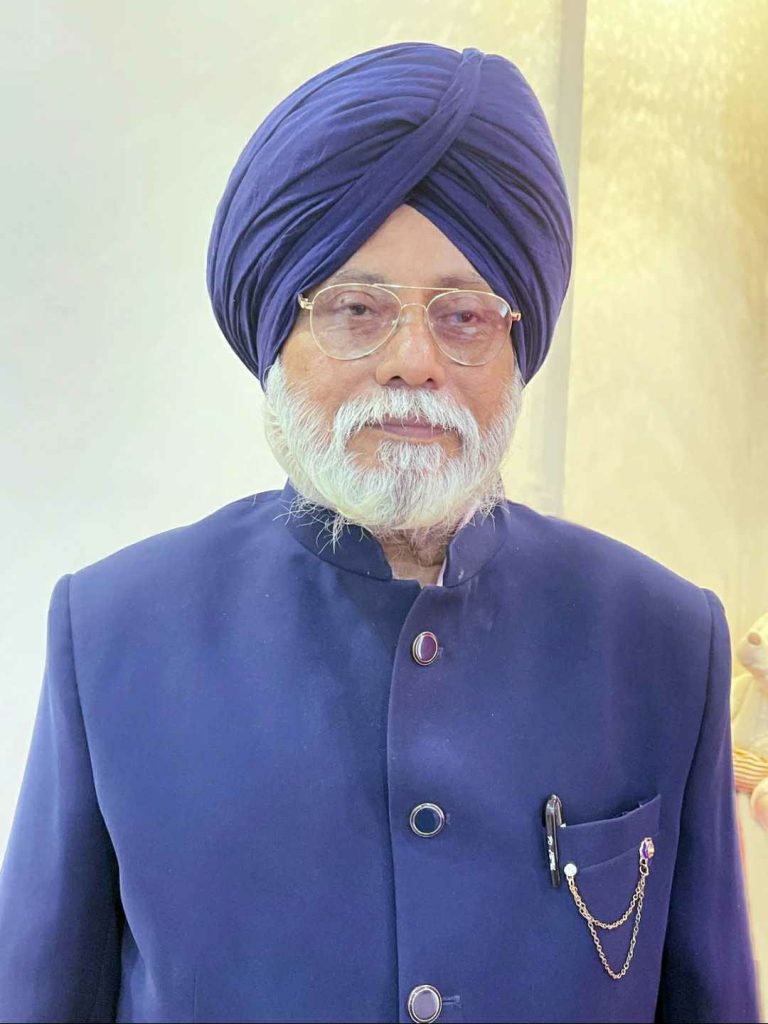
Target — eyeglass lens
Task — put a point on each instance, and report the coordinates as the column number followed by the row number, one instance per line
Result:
column 351, row 321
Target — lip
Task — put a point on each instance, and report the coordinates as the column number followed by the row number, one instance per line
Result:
column 425, row 431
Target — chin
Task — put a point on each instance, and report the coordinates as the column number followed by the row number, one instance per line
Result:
column 373, row 461
column 370, row 451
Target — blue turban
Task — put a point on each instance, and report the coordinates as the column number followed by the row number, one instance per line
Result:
column 461, row 137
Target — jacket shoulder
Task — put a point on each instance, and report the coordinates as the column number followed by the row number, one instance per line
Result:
column 176, row 552
column 597, row 563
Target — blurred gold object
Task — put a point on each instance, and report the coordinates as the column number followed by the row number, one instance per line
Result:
column 748, row 769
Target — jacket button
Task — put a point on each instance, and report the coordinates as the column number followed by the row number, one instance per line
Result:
column 427, row 820
column 424, row 1004
column 424, row 648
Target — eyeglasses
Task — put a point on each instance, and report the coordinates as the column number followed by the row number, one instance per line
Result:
column 352, row 320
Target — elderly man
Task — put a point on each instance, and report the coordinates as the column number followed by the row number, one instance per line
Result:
column 383, row 745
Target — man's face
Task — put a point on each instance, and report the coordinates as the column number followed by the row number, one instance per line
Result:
column 406, row 249
column 340, row 428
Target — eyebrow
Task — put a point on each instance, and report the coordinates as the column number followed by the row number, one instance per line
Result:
column 446, row 281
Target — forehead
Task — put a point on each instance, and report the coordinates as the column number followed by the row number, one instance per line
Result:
column 351, row 272
column 409, row 249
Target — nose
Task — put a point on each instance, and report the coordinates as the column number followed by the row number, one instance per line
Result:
column 410, row 354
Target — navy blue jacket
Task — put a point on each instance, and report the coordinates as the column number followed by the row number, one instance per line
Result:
column 218, row 817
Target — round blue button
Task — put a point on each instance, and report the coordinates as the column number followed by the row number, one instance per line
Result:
column 427, row 819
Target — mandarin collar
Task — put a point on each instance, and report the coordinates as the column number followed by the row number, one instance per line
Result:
column 360, row 552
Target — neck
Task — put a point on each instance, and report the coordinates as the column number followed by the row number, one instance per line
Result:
column 414, row 557
column 419, row 554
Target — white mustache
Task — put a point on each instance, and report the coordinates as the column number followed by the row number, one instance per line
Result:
column 431, row 410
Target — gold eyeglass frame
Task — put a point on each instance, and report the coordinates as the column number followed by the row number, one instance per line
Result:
column 308, row 304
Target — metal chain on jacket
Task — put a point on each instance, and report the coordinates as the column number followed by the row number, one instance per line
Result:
column 646, row 851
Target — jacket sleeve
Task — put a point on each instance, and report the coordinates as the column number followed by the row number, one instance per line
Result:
column 708, row 970
column 60, row 915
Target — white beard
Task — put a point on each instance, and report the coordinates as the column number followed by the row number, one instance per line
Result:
column 417, row 491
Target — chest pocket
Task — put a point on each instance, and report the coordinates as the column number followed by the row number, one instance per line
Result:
column 606, row 853
column 590, row 843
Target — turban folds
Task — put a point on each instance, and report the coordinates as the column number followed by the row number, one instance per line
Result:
column 461, row 137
